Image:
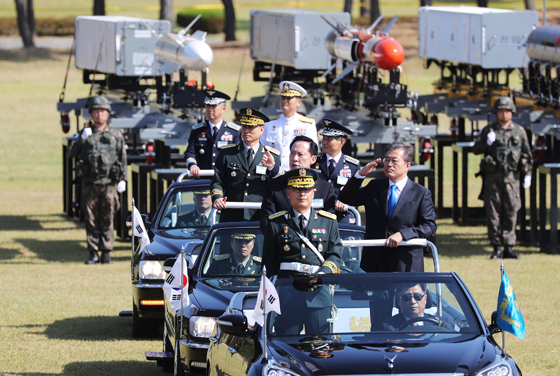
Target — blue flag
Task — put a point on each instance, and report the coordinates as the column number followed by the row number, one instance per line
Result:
column 509, row 316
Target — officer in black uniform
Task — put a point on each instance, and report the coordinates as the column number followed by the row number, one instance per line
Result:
column 209, row 137
column 240, row 175
column 335, row 167
column 301, row 242
column 242, row 262
column 201, row 215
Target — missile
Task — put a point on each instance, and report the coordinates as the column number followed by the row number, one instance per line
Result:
column 175, row 51
column 543, row 44
column 359, row 47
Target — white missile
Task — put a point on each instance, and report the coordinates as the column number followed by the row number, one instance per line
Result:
column 175, row 51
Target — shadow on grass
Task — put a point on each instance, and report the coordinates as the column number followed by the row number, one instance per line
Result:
column 122, row 367
column 8, row 254
column 56, row 250
column 37, row 222
column 24, row 55
column 94, row 328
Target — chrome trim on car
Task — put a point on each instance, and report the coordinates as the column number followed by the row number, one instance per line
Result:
column 142, row 285
column 194, row 345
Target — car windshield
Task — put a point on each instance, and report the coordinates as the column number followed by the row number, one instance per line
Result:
column 187, row 208
column 411, row 306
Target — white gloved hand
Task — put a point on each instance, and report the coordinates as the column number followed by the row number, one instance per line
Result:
column 121, row 187
column 527, row 181
column 86, row 133
column 491, row 138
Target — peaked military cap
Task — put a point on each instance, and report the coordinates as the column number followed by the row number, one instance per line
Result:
column 334, row 129
column 243, row 237
column 301, row 178
column 291, row 89
column 202, row 191
column 252, row 117
column 215, row 97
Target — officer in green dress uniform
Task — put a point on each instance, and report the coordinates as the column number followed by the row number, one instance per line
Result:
column 200, row 216
column 300, row 243
column 244, row 170
column 242, row 262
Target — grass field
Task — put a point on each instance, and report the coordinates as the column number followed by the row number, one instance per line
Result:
column 60, row 317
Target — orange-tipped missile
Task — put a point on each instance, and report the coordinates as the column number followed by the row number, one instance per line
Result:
column 386, row 53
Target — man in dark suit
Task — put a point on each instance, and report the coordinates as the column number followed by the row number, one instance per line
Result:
column 242, row 263
column 207, row 138
column 412, row 299
column 240, row 174
column 397, row 209
column 335, row 167
column 303, row 154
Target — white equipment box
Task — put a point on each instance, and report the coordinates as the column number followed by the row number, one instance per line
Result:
column 118, row 45
column 296, row 38
column 490, row 38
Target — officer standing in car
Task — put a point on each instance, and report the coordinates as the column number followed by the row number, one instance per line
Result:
column 507, row 159
column 101, row 166
column 334, row 166
column 209, row 137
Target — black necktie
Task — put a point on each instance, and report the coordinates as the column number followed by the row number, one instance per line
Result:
column 331, row 167
column 203, row 220
column 302, row 223
column 250, row 157
column 215, row 133
column 240, row 269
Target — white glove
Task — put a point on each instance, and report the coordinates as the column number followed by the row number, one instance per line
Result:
column 121, row 187
column 491, row 138
column 527, row 181
column 86, row 133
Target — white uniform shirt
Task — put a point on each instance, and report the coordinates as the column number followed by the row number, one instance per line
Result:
column 279, row 134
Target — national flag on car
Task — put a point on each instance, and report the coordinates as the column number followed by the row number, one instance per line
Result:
column 509, row 315
column 173, row 283
column 139, row 230
column 267, row 301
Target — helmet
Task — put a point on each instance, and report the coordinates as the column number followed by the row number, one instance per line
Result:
column 504, row 103
column 99, row 102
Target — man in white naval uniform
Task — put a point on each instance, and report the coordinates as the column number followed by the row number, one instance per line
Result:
column 281, row 130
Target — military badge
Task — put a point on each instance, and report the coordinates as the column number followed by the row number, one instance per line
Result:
column 233, row 174
column 286, row 248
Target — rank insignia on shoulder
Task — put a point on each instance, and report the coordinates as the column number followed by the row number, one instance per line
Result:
column 272, row 150
column 279, row 214
column 274, row 117
column 352, row 160
column 307, row 120
column 257, row 258
column 200, row 125
column 222, row 257
column 233, row 126
column 229, row 146
column 217, row 192
column 327, row 214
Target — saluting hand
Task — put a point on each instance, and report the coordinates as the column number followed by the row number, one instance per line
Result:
column 268, row 161
column 369, row 167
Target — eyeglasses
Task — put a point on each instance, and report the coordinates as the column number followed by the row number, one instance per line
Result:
column 393, row 161
column 408, row 297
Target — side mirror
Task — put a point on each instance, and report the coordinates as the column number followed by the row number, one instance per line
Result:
column 494, row 328
column 168, row 264
column 233, row 323
column 145, row 219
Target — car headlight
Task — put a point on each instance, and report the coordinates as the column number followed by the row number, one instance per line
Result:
column 501, row 369
column 273, row 368
column 151, row 270
column 201, row 326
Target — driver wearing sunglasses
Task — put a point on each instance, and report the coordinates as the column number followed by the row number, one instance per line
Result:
column 411, row 300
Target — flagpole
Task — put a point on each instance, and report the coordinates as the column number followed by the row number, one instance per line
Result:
column 502, row 270
column 263, row 281
column 132, row 225
column 182, row 256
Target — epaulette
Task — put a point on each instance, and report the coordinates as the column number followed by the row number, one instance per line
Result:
column 235, row 127
column 257, row 258
column 222, row 257
column 199, row 125
column 228, row 146
column 320, row 155
column 217, row 192
column 272, row 150
column 276, row 215
column 327, row 214
column 274, row 117
column 352, row 160
column 307, row 120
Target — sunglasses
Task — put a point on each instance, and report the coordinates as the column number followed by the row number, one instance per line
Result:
column 408, row 297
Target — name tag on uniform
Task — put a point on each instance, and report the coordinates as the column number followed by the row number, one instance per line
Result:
column 222, row 144
column 341, row 180
column 261, row 170
column 317, row 203
column 202, row 139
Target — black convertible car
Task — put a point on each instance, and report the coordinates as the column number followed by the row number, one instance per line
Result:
column 213, row 281
column 374, row 327
column 175, row 224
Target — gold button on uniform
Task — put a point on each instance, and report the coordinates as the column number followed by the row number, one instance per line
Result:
column 303, row 256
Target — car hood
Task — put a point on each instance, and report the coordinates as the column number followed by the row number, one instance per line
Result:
column 164, row 246
column 216, row 293
column 464, row 356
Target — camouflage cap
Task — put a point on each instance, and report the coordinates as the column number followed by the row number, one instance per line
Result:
column 99, row 102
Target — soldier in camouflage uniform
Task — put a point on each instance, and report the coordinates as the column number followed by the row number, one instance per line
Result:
column 101, row 166
column 507, row 159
